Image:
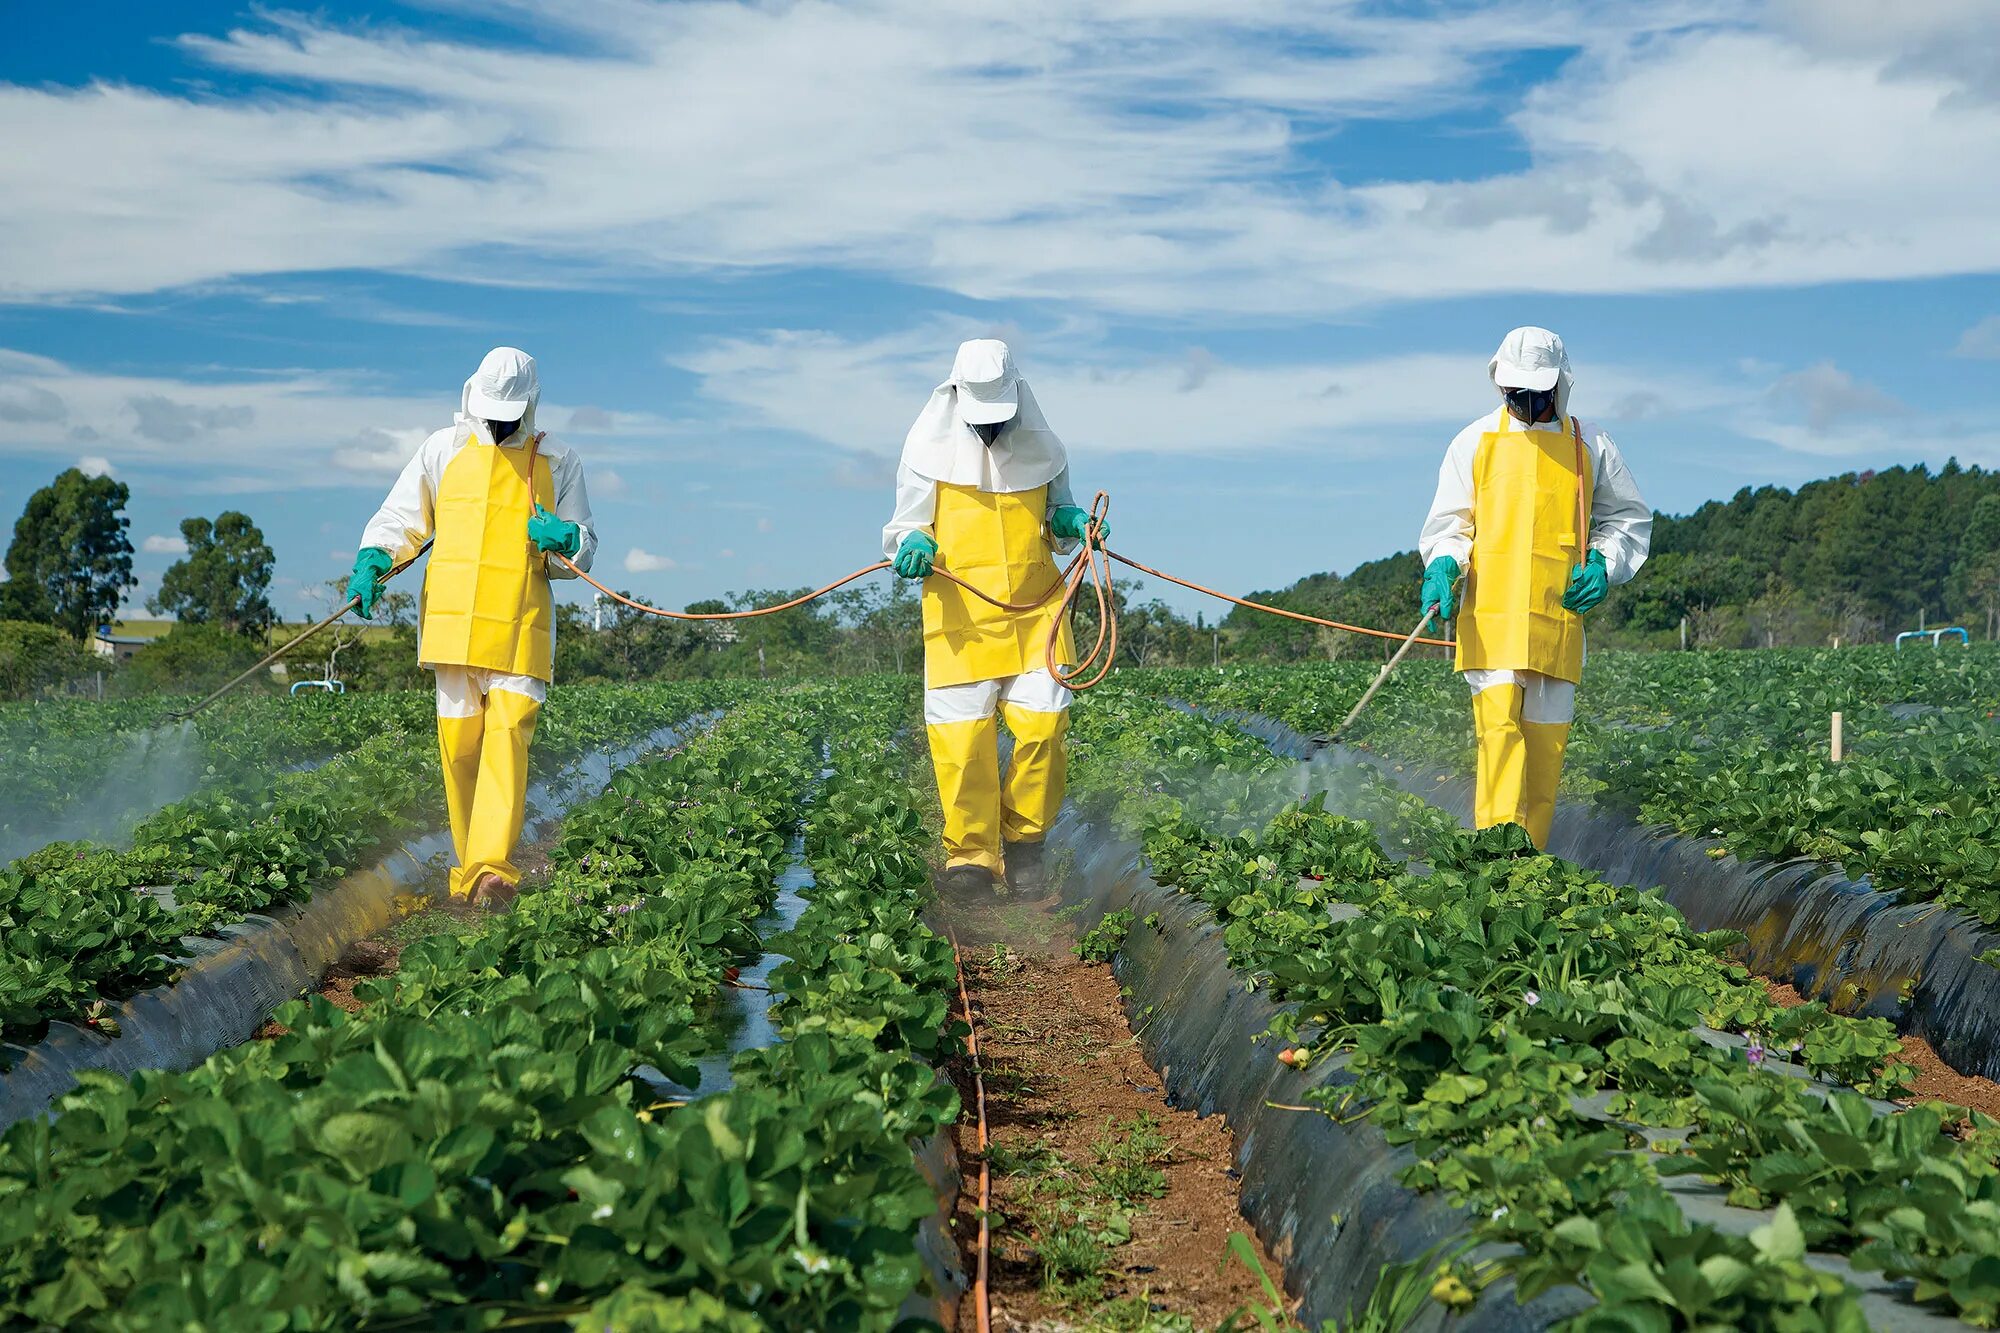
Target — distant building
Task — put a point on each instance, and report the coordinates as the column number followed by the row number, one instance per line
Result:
column 116, row 647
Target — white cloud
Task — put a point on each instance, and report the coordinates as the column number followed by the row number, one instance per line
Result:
column 95, row 465
column 1824, row 412
column 645, row 562
column 1151, row 156
column 1981, row 341
column 861, row 395
column 604, row 483
column 253, row 431
column 158, row 544
column 1830, row 395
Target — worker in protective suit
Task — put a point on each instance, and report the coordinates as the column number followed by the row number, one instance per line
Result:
column 983, row 491
column 495, row 498
column 1537, row 512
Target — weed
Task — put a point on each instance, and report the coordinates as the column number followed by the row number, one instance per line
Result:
column 1106, row 938
column 1128, row 1157
column 1272, row 1314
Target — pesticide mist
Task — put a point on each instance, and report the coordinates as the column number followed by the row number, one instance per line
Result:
column 112, row 783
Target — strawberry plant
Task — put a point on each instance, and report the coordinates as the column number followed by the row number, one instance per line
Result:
column 1530, row 1034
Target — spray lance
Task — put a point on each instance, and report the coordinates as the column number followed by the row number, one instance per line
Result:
column 276, row 653
column 1409, row 641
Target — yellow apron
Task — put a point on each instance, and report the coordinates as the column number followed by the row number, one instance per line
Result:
column 1526, row 489
column 486, row 600
column 997, row 543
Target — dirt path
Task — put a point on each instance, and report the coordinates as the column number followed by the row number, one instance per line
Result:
column 1935, row 1080
column 1085, row 1148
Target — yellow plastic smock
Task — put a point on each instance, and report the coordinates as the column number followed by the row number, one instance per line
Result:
column 1525, row 544
column 997, row 542
column 486, row 600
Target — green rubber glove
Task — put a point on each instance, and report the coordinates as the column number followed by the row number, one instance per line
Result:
column 1588, row 583
column 553, row 534
column 1440, row 587
column 915, row 554
column 1070, row 523
column 371, row 565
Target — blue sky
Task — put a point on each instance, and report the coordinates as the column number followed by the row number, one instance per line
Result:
column 1252, row 255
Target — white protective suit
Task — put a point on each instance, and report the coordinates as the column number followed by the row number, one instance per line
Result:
column 1621, row 523
column 979, row 663
column 404, row 522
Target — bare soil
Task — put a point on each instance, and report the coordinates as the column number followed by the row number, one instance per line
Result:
column 1061, row 1064
column 1935, row 1080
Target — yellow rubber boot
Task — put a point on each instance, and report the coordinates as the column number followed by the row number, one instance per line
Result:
column 500, row 806
column 1033, row 792
column 966, row 756
column 1500, row 786
column 458, row 747
column 1545, row 742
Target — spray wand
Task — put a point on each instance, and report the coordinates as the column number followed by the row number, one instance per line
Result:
column 277, row 653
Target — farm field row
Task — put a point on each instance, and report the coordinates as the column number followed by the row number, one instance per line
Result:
column 75, row 932
column 1729, row 745
column 485, row 1142
column 1529, row 1034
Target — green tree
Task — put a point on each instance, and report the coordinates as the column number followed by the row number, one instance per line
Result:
column 1979, row 560
column 34, row 657
column 21, row 600
column 70, row 542
column 225, row 578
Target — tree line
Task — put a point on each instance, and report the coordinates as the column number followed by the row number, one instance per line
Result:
column 1858, row 557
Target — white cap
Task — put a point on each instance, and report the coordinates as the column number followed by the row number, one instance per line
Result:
column 988, row 385
column 1529, row 358
column 504, row 387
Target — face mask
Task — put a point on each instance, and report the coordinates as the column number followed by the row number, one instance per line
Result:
column 501, row 430
column 1530, row 405
column 990, row 432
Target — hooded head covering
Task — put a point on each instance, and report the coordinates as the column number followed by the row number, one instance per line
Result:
column 1532, row 358
column 504, row 388
column 984, row 389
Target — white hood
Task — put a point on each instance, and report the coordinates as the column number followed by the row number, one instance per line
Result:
column 1532, row 358
column 504, row 387
column 941, row 447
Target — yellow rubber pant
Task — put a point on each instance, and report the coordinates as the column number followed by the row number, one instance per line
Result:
column 982, row 810
column 485, row 758
column 1520, row 761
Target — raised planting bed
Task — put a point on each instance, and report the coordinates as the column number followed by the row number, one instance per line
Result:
column 477, row 1146
column 1533, row 1038
column 77, row 936
column 1921, row 966
column 233, row 980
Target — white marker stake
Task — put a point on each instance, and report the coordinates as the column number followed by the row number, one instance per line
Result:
column 1836, row 738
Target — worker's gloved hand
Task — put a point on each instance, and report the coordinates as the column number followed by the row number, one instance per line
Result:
column 1588, row 583
column 1440, row 587
column 371, row 565
column 550, row 533
column 1070, row 523
column 915, row 555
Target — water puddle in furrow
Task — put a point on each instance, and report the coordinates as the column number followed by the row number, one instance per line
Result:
column 741, row 1018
